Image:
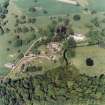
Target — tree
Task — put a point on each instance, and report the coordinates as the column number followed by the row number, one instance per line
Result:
column 8, row 49
column 18, row 30
column 35, row 1
column 60, row 19
column 18, row 43
column 31, row 20
column 6, row 4
column 61, row 32
column 45, row 11
column 93, row 36
column 23, row 17
column 66, row 21
column 9, row 41
column 50, row 30
column 32, row 29
column 32, row 9
column 95, row 21
column 76, row 17
column 70, row 30
column 89, row 62
column 71, row 43
column 25, row 29
column 1, row 30
column 7, row 30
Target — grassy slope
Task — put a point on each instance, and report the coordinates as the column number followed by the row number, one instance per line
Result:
column 82, row 53
column 43, row 20
column 4, row 55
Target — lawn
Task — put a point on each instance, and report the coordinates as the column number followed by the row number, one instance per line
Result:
column 97, row 54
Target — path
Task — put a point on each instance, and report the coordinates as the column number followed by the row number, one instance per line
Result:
column 27, row 59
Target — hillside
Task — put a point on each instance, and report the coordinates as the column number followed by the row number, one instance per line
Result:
column 52, row 52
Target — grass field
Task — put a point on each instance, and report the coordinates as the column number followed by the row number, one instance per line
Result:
column 52, row 6
column 55, row 7
column 97, row 54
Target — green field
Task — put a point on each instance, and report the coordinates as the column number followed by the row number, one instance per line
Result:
column 52, row 6
column 98, row 5
column 97, row 54
column 55, row 7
